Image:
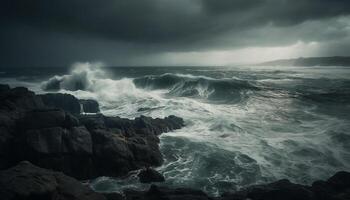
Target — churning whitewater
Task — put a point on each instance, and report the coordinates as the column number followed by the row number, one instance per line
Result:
column 244, row 125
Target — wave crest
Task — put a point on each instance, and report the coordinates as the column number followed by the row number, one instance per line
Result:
column 87, row 77
column 220, row 90
column 81, row 77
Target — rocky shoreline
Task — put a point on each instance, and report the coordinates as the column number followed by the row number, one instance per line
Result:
column 48, row 143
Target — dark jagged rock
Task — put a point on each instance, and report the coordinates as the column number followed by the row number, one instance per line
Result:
column 150, row 175
column 51, row 138
column 58, row 148
column 44, row 118
column 116, row 151
column 82, row 146
column 156, row 192
column 26, row 181
column 70, row 103
column 134, row 142
column 90, row 106
column 65, row 102
column 5, row 147
column 114, row 196
column 340, row 181
column 17, row 100
column 111, row 154
column 335, row 188
column 144, row 124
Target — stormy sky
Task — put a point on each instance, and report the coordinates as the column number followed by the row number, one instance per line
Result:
column 170, row 32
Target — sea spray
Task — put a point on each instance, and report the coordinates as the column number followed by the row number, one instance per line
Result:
column 81, row 77
column 90, row 81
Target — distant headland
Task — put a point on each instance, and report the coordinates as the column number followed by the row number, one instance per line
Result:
column 311, row 61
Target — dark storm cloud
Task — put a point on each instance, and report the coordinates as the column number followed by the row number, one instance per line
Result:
column 164, row 20
column 135, row 27
column 132, row 20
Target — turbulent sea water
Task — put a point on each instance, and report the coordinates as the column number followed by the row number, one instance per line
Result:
column 244, row 125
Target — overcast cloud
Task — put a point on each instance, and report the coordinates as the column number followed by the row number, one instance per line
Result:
column 170, row 32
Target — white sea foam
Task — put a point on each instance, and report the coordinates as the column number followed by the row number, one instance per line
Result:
column 284, row 125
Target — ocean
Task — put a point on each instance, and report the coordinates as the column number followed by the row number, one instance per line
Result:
column 244, row 125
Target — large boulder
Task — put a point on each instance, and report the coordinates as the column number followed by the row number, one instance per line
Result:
column 67, row 150
column 57, row 140
column 340, row 181
column 53, row 139
column 13, row 104
column 92, row 122
column 26, row 181
column 140, row 125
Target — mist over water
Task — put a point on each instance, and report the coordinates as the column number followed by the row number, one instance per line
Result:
column 244, row 125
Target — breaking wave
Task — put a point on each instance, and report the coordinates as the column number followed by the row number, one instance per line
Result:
column 242, row 127
column 88, row 77
column 219, row 90
column 82, row 77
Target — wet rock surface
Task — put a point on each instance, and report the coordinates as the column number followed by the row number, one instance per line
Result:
column 26, row 181
column 49, row 131
column 65, row 102
column 121, row 145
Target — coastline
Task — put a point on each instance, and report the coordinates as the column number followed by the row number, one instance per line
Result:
column 48, row 132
